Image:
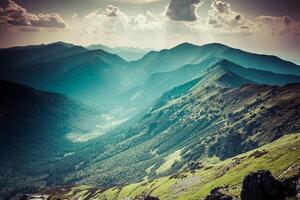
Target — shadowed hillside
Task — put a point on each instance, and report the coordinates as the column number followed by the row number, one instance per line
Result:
column 33, row 129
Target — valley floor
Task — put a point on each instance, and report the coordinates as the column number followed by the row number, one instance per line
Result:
column 281, row 157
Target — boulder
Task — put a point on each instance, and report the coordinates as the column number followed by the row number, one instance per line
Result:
column 194, row 165
column 261, row 185
column 146, row 197
column 216, row 194
column 291, row 186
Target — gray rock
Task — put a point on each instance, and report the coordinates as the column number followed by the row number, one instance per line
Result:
column 216, row 194
column 261, row 185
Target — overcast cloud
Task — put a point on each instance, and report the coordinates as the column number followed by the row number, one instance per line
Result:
column 180, row 10
column 13, row 14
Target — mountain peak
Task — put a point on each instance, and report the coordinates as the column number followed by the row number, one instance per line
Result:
column 226, row 63
column 60, row 43
column 223, row 76
column 185, row 45
column 216, row 45
column 211, row 45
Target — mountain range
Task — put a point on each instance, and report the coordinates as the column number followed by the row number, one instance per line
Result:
column 127, row 53
column 94, row 76
column 118, row 122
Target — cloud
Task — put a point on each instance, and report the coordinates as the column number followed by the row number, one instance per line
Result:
column 111, row 26
column 14, row 14
column 222, row 16
column 74, row 16
column 112, row 11
column 29, row 29
column 113, row 20
column 182, row 10
column 279, row 25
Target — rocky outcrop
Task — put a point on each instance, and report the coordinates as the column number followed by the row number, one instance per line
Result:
column 34, row 197
column 194, row 166
column 216, row 194
column 146, row 197
column 292, row 186
column 261, row 185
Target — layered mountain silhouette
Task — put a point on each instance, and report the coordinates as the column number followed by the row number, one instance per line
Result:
column 211, row 71
column 127, row 53
column 99, row 78
column 16, row 56
column 186, row 53
column 96, row 72
column 163, row 112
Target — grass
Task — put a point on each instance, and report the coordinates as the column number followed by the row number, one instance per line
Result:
column 283, row 156
column 169, row 161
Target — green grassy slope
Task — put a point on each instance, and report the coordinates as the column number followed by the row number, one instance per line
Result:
column 206, row 122
column 281, row 157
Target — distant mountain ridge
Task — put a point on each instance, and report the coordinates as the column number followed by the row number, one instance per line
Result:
column 186, row 53
column 14, row 56
column 61, row 70
column 127, row 53
column 62, row 73
column 228, row 74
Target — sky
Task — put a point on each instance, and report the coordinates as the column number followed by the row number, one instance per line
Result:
column 263, row 26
